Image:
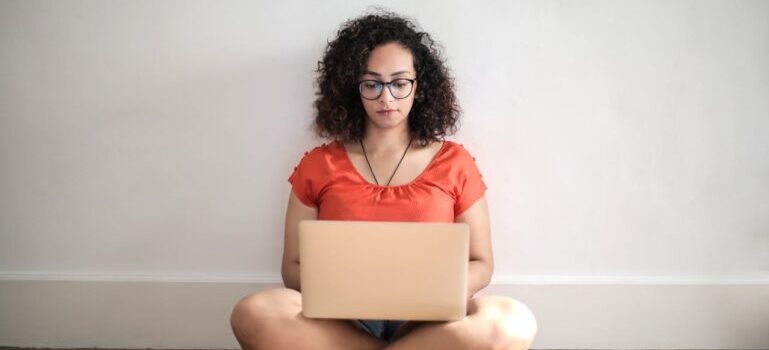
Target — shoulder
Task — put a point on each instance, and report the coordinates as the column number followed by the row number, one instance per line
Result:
column 318, row 157
column 321, row 151
column 452, row 162
column 457, row 151
column 460, row 160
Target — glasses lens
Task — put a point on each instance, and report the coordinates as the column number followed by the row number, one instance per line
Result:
column 370, row 89
column 400, row 88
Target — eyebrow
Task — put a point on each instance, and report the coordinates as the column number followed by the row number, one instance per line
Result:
column 379, row 75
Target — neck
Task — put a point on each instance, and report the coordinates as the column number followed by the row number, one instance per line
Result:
column 385, row 142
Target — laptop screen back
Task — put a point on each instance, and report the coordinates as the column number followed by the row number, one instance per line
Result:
column 383, row 270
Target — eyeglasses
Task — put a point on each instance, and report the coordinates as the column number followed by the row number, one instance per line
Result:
column 399, row 88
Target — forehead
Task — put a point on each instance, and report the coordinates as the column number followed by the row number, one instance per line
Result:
column 389, row 58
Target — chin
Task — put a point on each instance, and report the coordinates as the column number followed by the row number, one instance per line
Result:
column 387, row 122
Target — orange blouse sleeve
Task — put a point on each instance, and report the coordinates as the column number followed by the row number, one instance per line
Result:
column 469, row 186
column 308, row 177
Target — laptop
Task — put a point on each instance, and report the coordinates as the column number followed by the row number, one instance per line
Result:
column 383, row 270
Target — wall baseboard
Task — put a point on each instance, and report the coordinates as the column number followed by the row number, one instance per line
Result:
column 502, row 280
column 51, row 311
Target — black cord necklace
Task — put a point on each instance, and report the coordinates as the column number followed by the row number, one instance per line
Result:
column 396, row 167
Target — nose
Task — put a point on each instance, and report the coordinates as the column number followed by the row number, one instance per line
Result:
column 386, row 95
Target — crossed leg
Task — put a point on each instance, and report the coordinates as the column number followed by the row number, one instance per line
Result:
column 492, row 322
column 272, row 319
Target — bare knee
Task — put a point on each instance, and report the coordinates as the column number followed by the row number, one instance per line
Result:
column 256, row 312
column 513, row 325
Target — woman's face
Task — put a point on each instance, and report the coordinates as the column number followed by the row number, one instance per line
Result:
column 388, row 63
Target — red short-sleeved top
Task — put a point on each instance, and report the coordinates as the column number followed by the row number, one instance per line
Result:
column 325, row 178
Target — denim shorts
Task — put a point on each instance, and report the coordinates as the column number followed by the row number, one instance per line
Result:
column 382, row 329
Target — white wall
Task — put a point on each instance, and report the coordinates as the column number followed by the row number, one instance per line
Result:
column 621, row 141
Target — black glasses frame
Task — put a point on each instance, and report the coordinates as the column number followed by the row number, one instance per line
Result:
column 387, row 85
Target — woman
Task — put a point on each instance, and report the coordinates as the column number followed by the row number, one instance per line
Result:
column 387, row 101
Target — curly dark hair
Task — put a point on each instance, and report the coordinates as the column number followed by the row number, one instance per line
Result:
column 340, row 112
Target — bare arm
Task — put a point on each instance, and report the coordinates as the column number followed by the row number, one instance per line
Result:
column 295, row 212
column 481, row 264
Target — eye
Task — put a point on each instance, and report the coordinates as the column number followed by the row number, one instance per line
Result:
column 371, row 85
column 401, row 83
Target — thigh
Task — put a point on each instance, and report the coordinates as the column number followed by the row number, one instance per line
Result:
column 491, row 322
column 273, row 318
column 409, row 326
